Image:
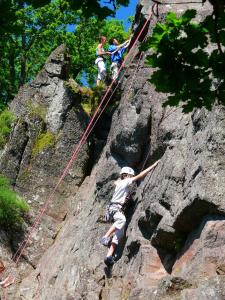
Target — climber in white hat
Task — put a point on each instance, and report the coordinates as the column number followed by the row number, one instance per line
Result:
column 115, row 210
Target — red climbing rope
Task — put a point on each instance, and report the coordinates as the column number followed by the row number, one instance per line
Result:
column 76, row 151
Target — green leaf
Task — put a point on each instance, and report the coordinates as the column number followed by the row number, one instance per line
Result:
column 222, row 37
column 184, row 67
column 152, row 60
column 188, row 16
column 171, row 18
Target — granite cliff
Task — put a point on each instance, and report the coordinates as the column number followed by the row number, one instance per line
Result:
column 174, row 244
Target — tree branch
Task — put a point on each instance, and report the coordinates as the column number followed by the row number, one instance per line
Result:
column 111, row 2
column 216, row 15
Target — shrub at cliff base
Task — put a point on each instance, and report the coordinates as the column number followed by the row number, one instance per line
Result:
column 12, row 207
column 6, row 119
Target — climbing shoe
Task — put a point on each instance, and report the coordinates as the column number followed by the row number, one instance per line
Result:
column 105, row 241
column 109, row 261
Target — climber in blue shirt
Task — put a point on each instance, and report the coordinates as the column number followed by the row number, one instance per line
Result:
column 117, row 55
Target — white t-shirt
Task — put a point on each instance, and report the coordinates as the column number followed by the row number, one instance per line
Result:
column 121, row 190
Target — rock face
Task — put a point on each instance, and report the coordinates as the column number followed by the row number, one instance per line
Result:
column 174, row 244
column 49, row 125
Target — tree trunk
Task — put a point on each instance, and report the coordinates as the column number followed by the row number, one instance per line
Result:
column 23, row 61
column 12, row 74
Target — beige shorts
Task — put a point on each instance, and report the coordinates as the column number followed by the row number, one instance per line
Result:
column 119, row 223
column 115, row 70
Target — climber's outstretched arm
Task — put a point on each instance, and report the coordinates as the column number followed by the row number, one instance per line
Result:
column 124, row 45
column 127, row 43
column 145, row 172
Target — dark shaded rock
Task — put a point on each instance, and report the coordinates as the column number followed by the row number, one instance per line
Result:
column 50, row 123
column 13, row 153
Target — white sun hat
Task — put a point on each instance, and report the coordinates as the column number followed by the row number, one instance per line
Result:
column 127, row 170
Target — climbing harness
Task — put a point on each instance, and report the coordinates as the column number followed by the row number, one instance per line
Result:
column 109, row 213
column 100, row 109
column 114, row 207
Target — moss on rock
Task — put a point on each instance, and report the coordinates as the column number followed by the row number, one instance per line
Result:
column 36, row 110
column 89, row 98
column 43, row 141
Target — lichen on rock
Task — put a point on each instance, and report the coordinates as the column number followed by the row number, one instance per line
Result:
column 43, row 141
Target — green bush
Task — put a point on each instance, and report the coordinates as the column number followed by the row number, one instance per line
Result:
column 6, row 119
column 12, row 207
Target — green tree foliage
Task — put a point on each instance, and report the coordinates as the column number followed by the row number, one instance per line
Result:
column 25, row 50
column 12, row 207
column 8, row 9
column 41, row 30
column 189, row 59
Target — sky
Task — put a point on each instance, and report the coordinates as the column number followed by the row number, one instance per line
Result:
column 124, row 12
